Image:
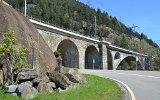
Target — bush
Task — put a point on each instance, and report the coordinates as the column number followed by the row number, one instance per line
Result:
column 11, row 57
column 57, row 53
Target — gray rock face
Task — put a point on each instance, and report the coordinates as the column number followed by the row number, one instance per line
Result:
column 12, row 88
column 53, row 85
column 27, row 74
column 59, row 61
column 27, row 36
column 62, row 69
column 45, row 87
column 72, row 74
column 26, row 90
column 38, row 80
column 59, row 78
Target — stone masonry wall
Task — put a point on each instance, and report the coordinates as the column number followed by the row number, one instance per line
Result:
column 53, row 40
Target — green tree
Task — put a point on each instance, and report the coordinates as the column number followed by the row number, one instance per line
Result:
column 124, row 42
column 121, row 42
column 10, row 57
column 66, row 20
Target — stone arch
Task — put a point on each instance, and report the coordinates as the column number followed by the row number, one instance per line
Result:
column 110, row 60
column 129, row 63
column 70, row 54
column 117, row 55
column 91, row 58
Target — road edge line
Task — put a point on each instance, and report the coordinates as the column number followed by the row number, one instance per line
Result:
column 127, row 87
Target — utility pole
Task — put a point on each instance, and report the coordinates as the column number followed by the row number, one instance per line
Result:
column 25, row 8
column 95, row 27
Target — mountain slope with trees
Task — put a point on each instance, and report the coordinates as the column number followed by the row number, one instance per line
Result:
column 74, row 15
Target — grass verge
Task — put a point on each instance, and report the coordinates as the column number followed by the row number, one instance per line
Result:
column 6, row 96
column 97, row 89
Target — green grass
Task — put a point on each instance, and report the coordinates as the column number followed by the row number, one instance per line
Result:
column 96, row 89
column 6, row 96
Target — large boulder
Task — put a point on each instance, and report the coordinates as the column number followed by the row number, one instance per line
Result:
column 59, row 78
column 26, row 75
column 45, row 87
column 40, row 56
column 36, row 81
column 72, row 74
column 26, row 90
column 12, row 88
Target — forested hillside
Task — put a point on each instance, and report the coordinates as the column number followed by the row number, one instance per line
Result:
column 74, row 15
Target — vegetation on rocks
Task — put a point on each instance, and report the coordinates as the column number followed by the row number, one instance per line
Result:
column 11, row 57
column 58, row 53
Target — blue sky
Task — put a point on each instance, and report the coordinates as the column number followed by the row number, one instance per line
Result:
column 143, row 13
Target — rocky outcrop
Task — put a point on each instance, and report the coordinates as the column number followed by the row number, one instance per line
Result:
column 26, row 75
column 29, row 83
column 66, row 77
column 59, row 78
column 36, row 81
column 40, row 56
column 45, row 87
column 12, row 88
column 26, row 90
column 72, row 74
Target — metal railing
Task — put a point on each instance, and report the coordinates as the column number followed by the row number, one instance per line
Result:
column 39, row 20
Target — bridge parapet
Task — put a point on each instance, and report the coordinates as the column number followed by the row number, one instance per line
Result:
column 112, row 47
column 65, row 32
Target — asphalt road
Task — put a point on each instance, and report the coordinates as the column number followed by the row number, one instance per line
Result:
column 144, row 84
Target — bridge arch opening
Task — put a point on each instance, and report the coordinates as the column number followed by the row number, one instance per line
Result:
column 91, row 58
column 69, row 53
column 117, row 55
column 129, row 63
column 110, row 60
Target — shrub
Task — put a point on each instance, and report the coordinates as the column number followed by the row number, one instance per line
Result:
column 57, row 53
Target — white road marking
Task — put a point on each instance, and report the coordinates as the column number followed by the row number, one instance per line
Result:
column 125, row 85
column 142, row 75
column 139, row 75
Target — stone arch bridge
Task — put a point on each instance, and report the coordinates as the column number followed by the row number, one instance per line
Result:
column 82, row 52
